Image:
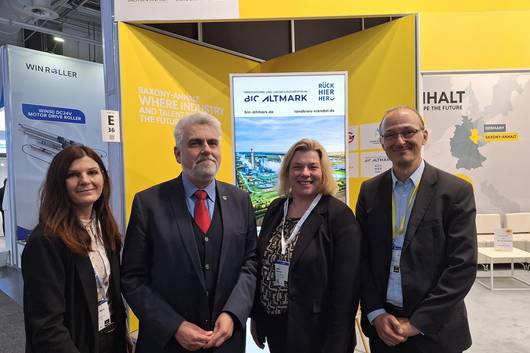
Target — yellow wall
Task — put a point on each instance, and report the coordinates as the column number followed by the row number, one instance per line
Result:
column 474, row 40
column 152, row 60
column 381, row 71
column 276, row 9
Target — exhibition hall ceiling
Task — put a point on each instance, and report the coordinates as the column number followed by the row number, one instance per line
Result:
column 75, row 20
column 35, row 24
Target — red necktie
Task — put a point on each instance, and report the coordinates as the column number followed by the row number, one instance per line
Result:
column 202, row 216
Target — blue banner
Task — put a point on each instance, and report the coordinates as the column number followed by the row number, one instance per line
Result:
column 42, row 112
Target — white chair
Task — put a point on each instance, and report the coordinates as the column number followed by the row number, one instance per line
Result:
column 486, row 225
column 488, row 222
column 519, row 223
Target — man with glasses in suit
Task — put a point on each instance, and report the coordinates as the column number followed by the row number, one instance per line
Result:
column 419, row 247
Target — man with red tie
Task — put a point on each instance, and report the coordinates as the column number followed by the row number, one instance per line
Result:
column 189, row 259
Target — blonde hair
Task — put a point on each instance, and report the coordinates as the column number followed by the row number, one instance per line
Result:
column 329, row 185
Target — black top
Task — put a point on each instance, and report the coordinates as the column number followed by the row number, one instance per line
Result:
column 60, row 298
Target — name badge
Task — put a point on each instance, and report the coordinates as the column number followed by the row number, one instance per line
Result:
column 281, row 272
column 103, row 314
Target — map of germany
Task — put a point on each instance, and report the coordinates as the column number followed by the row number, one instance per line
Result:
column 465, row 145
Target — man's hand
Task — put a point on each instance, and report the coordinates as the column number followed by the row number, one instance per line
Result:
column 408, row 328
column 224, row 327
column 389, row 329
column 191, row 336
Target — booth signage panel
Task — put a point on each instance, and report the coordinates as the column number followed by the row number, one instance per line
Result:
column 54, row 102
column 478, row 129
column 175, row 10
column 273, row 111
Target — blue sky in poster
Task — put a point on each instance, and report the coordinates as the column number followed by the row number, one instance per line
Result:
column 277, row 134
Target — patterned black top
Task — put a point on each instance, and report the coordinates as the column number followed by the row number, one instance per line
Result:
column 273, row 297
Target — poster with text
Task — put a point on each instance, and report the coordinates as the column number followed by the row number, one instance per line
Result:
column 479, row 130
column 273, row 111
column 53, row 102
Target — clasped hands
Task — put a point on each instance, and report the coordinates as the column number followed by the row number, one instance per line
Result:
column 192, row 337
column 394, row 330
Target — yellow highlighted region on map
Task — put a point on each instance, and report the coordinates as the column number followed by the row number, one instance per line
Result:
column 501, row 136
column 474, row 137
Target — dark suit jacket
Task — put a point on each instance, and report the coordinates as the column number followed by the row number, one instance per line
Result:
column 60, row 297
column 162, row 279
column 324, row 278
column 438, row 260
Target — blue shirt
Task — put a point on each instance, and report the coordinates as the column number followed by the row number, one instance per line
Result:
column 189, row 191
column 402, row 193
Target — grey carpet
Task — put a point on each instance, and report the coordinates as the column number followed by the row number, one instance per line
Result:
column 12, row 335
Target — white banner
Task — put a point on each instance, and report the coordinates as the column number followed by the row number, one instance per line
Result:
column 175, row 10
column 479, row 129
column 52, row 102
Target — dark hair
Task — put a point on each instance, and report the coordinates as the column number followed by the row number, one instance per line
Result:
column 57, row 215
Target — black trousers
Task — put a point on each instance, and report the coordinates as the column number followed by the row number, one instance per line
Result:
column 378, row 346
column 275, row 328
column 107, row 342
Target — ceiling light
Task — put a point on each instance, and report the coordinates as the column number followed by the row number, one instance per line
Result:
column 58, row 39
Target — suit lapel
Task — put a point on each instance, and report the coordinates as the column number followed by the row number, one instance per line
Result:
column 421, row 204
column 87, row 278
column 185, row 228
column 384, row 218
column 309, row 230
column 227, row 208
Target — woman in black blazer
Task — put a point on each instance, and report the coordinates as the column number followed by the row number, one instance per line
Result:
column 309, row 249
column 70, row 264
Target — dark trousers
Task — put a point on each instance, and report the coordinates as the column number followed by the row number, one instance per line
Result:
column 107, row 342
column 378, row 346
column 275, row 328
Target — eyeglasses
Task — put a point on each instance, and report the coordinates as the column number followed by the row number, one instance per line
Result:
column 405, row 134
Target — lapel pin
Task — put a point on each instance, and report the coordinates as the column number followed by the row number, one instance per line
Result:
column 225, row 197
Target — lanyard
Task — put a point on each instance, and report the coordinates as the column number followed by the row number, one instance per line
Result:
column 298, row 225
column 100, row 284
column 100, row 289
column 399, row 228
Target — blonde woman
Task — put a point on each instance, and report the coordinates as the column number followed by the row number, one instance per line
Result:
column 309, row 249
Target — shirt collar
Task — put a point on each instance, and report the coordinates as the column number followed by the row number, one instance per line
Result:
column 190, row 188
column 414, row 177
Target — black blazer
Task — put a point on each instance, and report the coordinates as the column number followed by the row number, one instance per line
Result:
column 438, row 259
column 60, row 297
column 162, row 279
column 324, row 278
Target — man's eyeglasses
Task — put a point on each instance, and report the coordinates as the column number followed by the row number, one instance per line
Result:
column 405, row 134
